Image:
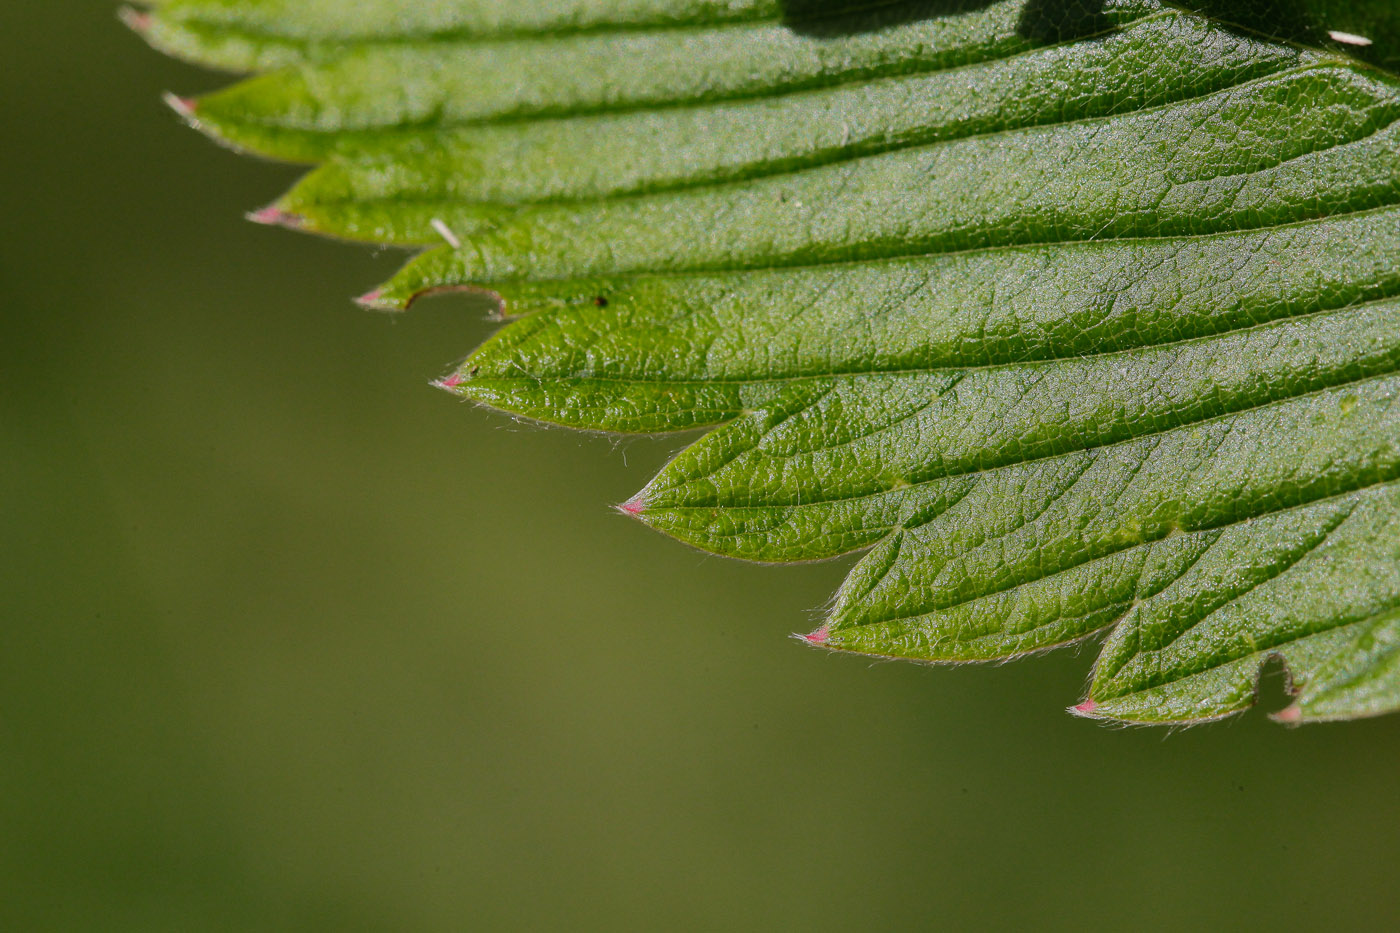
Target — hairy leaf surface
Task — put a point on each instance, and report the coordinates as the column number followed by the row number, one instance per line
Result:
column 1074, row 316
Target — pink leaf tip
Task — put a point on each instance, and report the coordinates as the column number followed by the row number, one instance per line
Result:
column 184, row 106
column 1289, row 716
column 451, row 382
column 136, row 20
column 275, row 217
column 820, row 637
column 632, row 507
column 1086, row 708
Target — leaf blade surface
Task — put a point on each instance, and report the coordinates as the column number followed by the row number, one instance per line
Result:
column 1073, row 319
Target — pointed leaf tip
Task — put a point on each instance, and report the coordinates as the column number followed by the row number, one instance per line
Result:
column 1290, row 716
column 375, row 301
column 1086, row 708
column 632, row 507
column 138, row 21
column 451, row 382
column 276, row 217
column 184, row 106
column 820, row 637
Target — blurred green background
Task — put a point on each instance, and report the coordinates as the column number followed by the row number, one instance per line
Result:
column 293, row 641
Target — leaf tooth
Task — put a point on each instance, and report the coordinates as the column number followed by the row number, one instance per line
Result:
column 274, row 216
column 388, row 298
column 633, row 507
column 1086, row 709
column 399, row 295
column 373, row 300
column 138, row 21
column 451, row 382
column 186, row 107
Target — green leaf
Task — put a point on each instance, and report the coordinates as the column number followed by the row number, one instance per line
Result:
column 1076, row 316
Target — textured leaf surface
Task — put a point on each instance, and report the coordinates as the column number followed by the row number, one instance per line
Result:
column 1076, row 317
